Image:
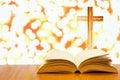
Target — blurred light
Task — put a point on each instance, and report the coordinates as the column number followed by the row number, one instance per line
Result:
column 5, row 14
column 47, row 26
column 71, row 3
column 74, row 50
column 103, row 4
column 42, row 33
column 32, row 36
column 78, row 41
column 57, row 32
column 35, row 24
column 5, row 28
column 51, row 39
column 58, row 46
column 53, row 18
column 45, row 45
column 29, row 28
column 28, row 31
column 36, row 42
column 66, row 30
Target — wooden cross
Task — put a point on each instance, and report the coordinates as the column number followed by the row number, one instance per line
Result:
column 90, row 18
column 118, row 18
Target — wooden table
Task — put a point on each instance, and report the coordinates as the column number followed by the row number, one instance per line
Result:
column 28, row 72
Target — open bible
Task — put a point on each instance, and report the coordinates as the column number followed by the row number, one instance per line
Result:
column 94, row 60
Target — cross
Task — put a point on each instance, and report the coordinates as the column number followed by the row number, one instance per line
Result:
column 90, row 18
column 118, row 18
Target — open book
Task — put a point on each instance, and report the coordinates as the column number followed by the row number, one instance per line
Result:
column 94, row 60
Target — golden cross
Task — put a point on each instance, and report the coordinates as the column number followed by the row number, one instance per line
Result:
column 90, row 18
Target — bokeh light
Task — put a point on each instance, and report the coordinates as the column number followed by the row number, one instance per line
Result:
column 30, row 28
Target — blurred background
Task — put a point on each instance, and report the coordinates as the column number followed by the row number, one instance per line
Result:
column 30, row 28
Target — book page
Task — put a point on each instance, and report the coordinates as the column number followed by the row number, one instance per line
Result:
column 84, row 55
column 103, row 68
column 58, row 54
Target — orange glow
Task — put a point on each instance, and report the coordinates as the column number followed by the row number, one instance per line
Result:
column 30, row 28
column 118, row 38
